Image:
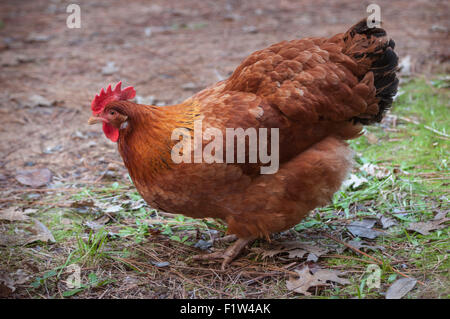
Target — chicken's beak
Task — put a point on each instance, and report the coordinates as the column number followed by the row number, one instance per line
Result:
column 94, row 120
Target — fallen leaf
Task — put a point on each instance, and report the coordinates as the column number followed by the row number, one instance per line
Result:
column 297, row 253
column 424, row 228
column 354, row 181
column 5, row 291
column 441, row 214
column 307, row 280
column 362, row 244
column 374, row 170
column 6, row 284
column 272, row 252
column 21, row 277
column 363, row 228
column 14, row 213
column 34, row 177
column 387, row 222
column 296, row 249
column 98, row 223
column 400, row 288
column 41, row 233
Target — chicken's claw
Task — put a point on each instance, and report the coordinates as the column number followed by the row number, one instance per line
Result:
column 228, row 255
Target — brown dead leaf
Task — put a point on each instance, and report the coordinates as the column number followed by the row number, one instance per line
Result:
column 5, row 291
column 271, row 252
column 34, row 177
column 21, row 277
column 314, row 250
column 41, row 233
column 6, row 284
column 306, row 280
column 297, row 253
column 400, row 288
column 424, row 228
column 98, row 223
column 296, row 249
column 14, row 214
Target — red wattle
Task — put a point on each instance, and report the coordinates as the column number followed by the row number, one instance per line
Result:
column 111, row 132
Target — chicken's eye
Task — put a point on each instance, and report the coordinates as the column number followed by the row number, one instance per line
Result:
column 112, row 112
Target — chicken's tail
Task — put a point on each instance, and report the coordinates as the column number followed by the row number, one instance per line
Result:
column 374, row 52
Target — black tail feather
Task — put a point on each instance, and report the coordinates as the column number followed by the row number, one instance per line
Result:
column 384, row 68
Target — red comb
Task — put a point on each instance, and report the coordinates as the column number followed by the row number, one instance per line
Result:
column 100, row 100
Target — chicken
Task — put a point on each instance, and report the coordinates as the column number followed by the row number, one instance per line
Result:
column 311, row 95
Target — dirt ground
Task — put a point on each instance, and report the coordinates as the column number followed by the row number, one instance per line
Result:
column 167, row 50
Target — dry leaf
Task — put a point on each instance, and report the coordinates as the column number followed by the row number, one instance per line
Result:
column 425, row 227
column 441, row 215
column 400, row 288
column 296, row 249
column 14, row 213
column 34, row 177
column 307, row 280
column 41, row 233
column 98, row 223
column 374, row 170
column 354, row 181
column 297, row 253
column 362, row 244
column 6, row 284
column 5, row 291
column 387, row 222
column 272, row 252
column 21, row 277
column 363, row 228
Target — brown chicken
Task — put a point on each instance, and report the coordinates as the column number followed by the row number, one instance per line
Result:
column 317, row 92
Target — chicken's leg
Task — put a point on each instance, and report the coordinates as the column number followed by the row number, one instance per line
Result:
column 228, row 254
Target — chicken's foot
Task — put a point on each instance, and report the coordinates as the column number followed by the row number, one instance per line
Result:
column 228, row 255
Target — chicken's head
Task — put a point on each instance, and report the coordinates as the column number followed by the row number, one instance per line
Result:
column 110, row 117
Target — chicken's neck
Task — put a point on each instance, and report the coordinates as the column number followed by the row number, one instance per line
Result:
column 145, row 143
